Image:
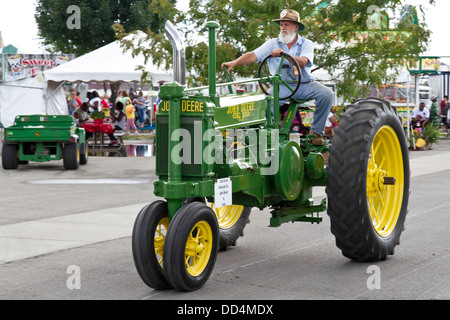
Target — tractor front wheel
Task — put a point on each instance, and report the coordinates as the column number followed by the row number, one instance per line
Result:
column 232, row 220
column 191, row 246
column 368, row 181
column 148, row 237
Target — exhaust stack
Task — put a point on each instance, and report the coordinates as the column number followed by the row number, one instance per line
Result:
column 179, row 53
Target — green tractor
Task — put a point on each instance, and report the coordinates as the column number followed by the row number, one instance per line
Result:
column 218, row 156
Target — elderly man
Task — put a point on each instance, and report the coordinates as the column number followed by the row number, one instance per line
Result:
column 302, row 50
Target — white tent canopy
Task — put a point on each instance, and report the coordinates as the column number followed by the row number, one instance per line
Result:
column 26, row 96
column 44, row 94
column 108, row 63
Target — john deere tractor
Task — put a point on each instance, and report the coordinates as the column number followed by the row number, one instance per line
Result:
column 219, row 156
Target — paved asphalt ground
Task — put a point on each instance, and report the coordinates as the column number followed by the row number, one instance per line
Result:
column 54, row 221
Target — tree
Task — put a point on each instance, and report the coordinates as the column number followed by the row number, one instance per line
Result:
column 96, row 20
column 352, row 43
column 81, row 26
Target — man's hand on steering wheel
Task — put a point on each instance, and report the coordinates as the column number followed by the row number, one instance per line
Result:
column 276, row 53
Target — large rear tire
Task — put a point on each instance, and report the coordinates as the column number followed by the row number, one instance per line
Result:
column 368, row 181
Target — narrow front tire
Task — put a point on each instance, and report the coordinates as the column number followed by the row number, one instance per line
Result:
column 191, row 246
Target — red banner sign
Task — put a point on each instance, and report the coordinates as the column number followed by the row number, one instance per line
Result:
column 20, row 66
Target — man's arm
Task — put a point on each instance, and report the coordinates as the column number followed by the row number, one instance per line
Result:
column 243, row 60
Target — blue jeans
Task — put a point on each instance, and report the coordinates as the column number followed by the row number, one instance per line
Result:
column 141, row 115
column 323, row 97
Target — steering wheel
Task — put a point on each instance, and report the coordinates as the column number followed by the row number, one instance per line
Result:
column 292, row 63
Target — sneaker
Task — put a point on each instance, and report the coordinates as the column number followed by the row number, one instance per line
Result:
column 317, row 140
column 136, row 133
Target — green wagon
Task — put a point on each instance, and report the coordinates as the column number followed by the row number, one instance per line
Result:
column 42, row 138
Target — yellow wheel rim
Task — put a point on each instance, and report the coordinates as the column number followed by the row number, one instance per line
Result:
column 160, row 236
column 228, row 216
column 385, row 181
column 198, row 248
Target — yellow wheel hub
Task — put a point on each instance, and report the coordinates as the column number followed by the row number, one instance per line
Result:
column 198, row 248
column 160, row 236
column 228, row 216
column 385, row 181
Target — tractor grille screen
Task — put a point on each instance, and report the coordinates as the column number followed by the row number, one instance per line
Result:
column 162, row 146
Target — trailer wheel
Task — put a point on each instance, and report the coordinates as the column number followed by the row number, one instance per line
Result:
column 84, row 153
column 71, row 156
column 148, row 237
column 368, row 181
column 10, row 159
column 191, row 246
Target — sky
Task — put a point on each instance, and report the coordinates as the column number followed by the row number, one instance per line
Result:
column 18, row 26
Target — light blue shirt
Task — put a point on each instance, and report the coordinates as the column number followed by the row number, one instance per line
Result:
column 302, row 48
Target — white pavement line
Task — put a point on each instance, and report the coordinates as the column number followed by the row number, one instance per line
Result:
column 29, row 239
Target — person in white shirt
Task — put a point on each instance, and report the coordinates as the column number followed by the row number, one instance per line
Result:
column 95, row 103
column 424, row 115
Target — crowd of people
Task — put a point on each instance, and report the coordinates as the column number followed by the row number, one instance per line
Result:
column 133, row 106
column 129, row 108
column 421, row 116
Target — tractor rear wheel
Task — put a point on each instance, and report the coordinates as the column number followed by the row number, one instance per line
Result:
column 191, row 246
column 149, row 233
column 232, row 220
column 368, row 181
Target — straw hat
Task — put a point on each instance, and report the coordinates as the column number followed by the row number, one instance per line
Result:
column 292, row 16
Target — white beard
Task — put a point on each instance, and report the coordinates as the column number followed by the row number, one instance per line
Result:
column 287, row 38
